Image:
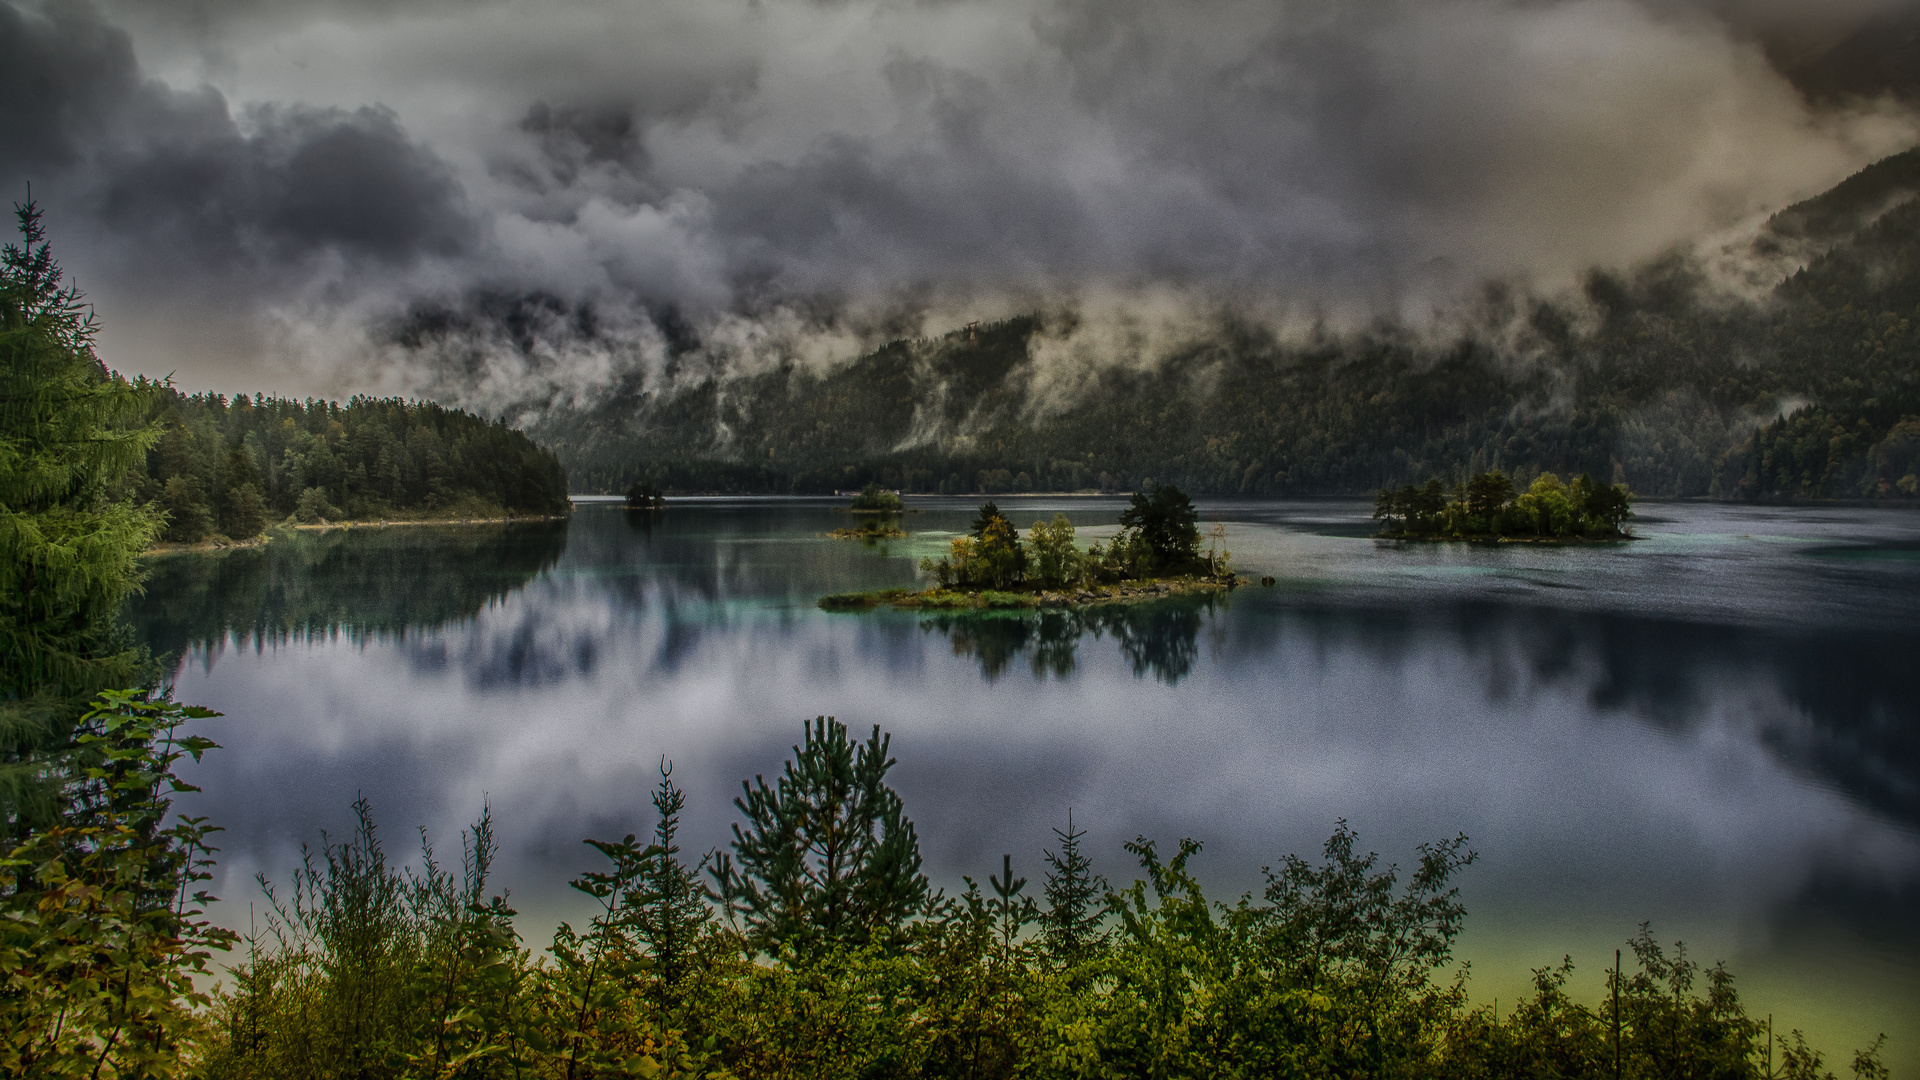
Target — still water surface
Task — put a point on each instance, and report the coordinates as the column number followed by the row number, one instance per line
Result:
column 1715, row 728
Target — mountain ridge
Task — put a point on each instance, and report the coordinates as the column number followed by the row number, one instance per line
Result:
column 1647, row 376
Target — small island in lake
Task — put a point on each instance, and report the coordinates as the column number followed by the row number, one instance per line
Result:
column 883, row 523
column 1156, row 555
column 1486, row 508
column 645, row 496
column 874, row 499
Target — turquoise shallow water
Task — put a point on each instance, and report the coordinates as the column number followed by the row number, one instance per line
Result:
column 1715, row 728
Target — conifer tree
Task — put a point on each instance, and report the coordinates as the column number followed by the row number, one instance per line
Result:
column 828, row 856
column 69, row 429
column 1070, row 926
column 669, row 907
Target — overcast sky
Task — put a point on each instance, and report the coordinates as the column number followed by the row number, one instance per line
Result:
column 504, row 202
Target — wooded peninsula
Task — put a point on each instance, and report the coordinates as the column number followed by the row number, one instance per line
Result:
column 232, row 467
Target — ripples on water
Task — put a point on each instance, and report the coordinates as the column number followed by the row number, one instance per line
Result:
column 1716, row 728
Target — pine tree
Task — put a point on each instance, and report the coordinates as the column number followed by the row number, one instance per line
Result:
column 69, row 430
column 1075, row 895
column 670, row 909
column 828, row 857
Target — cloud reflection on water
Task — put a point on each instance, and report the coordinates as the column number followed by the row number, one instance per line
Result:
column 1736, row 783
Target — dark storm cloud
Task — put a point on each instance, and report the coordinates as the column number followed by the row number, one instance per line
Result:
column 302, row 181
column 176, row 176
column 65, row 79
column 787, row 180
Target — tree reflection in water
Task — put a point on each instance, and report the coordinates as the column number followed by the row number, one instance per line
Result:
column 1160, row 638
column 362, row 582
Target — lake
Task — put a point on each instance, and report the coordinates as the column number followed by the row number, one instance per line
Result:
column 1715, row 728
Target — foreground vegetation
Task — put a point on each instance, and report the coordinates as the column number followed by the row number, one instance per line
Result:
column 1486, row 507
column 814, row 947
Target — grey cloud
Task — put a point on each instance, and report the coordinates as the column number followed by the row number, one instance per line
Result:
column 783, row 176
column 302, row 181
column 63, row 74
column 175, row 172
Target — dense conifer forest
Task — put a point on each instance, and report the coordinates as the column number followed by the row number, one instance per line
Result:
column 234, row 466
column 1658, row 378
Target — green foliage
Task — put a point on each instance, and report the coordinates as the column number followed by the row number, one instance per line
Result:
column 1159, row 537
column 1486, row 506
column 1053, row 560
column 312, row 508
column 223, row 466
column 990, row 557
column 374, row 972
column 101, row 935
column 875, row 499
column 1164, row 520
column 827, row 857
column 1070, row 925
column 1340, row 968
column 69, row 429
column 670, row 913
column 369, row 970
column 997, row 560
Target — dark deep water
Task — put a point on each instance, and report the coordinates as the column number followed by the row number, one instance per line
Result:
column 1716, row 728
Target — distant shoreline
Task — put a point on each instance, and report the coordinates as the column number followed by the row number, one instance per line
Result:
column 221, row 543
column 938, row 599
column 1495, row 538
column 589, row 498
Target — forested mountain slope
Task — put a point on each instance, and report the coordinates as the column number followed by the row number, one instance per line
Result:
column 1657, row 377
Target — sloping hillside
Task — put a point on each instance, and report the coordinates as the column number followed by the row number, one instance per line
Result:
column 1648, row 376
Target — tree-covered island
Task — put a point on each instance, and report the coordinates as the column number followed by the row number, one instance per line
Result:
column 874, row 499
column 1156, row 554
column 644, row 496
column 1486, row 507
column 880, row 510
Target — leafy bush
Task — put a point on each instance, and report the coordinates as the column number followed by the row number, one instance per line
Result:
column 101, row 934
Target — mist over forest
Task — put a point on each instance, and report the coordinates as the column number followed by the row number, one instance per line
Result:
column 1662, row 377
column 771, row 246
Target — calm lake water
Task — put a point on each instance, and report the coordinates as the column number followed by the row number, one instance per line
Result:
column 1715, row 729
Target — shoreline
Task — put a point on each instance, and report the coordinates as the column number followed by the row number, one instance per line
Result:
column 222, row 544
column 938, row 599
column 381, row 523
column 1490, row 538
